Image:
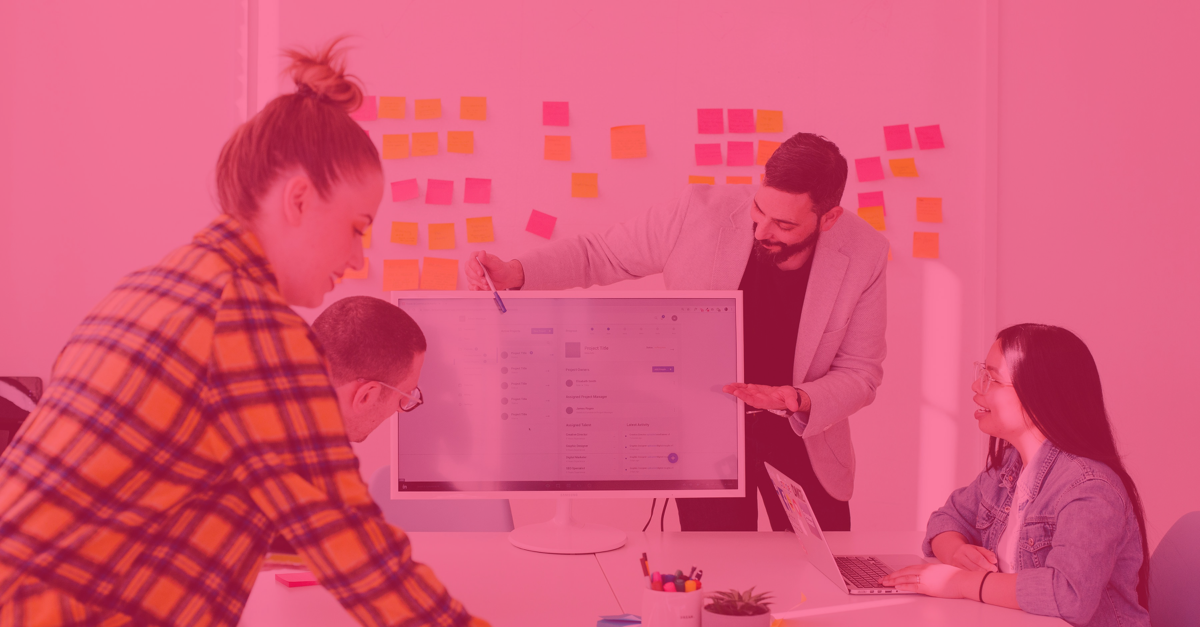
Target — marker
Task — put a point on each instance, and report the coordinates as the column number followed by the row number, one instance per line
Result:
column 690, row 586
column 495, row 294
column 699, row 574
column 669, row 587
column 692, row 575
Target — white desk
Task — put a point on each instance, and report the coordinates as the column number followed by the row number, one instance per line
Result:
column 511, row 587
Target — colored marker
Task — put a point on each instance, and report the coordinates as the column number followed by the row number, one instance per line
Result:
column 690, row 586
column 668, row 587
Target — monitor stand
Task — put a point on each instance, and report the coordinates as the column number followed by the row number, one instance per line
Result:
column 566, row 536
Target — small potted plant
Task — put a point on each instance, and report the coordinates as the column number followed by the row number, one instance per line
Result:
column 731, row 608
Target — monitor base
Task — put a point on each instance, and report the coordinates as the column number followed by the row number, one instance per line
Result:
column 565, row 536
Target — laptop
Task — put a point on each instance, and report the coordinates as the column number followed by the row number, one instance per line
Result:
column 856, row 574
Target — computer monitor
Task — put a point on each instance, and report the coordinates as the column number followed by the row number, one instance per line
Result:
column 573, row 394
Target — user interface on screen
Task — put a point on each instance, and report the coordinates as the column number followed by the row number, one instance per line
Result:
column 572, row 394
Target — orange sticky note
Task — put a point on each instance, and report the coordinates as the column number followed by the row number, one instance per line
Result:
column 404, row 233
column 903, row 167
column 400, row 274
column 424, row 144
column 396, row 146
column 441, row 236
column 296, row 580
column 460, row 141
column 768, row 121
column 765, row 150
column 738, row 180
column 628, row 142
column 925, row 245
column 367, row 237
column 480, row 230
column 873, row 216
column 429, row 108
column 472, row 108
column 929, row 209
column 391, row 107
column 585, row 185
column 358, row 274
column 558, row 148
column 702, row 180
column 439, row 274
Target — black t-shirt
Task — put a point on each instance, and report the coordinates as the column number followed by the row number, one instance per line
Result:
column 772, row 300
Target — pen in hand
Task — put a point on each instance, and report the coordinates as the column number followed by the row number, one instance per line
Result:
column 495, row 294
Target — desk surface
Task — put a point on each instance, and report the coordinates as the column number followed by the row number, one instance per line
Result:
column 509, row 586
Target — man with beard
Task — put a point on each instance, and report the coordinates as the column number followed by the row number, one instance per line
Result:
column 814, row 294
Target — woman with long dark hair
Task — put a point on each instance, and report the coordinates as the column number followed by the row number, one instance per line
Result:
column 1054, row 525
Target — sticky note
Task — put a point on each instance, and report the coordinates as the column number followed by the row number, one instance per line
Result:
column 738, row 180
column 708, row 154
column 460, row 141
column 628, row 142
column 869, row 169
column 558, row 148
column 903, row 167
column 296, row 580
column 391, row 107
column 873, row 216
column 929, row 209
column 472, row 108
column 929, row 137
column 765, row 150
column 395, row 146
column 424, row 144
column 872, row 199
column 439, row 274
column 702, row 180
column 897, row 137
column 741, row 121
column 366, row 111
column 768, row 121
column 400, row 274
column 405, row 190
column 585, row 185
column 439, row 192
column 404, row 233
column 441, row 236
column 740, row 153
column 480, row 230
column 540, row 223
column 358, row 274
column 428, row 108
column 478, row 191
column 366, row 237
column 555, row 114
column 925, row 245
column 710, row 121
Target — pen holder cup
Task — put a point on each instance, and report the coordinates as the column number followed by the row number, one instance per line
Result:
column 671, row 609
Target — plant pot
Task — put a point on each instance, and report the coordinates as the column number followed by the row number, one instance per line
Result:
column 711, row 619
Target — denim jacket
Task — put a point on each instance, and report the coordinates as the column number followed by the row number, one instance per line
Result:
column 1079, row 550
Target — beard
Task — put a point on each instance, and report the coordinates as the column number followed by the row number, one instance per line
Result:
column 762, row 253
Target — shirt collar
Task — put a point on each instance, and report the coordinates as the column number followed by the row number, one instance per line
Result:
column 1042, row 460
column 231, row 239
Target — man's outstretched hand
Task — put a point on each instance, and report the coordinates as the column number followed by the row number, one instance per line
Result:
column 506, row 275
column 766, row 396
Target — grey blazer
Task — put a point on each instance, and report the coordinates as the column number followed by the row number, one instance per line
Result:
column 702, row 241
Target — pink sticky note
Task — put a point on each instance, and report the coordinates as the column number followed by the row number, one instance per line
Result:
column 296, row 580
column 439, row 192
column 741, row 121
column 741, row 153
column 405, row 190
column 479, row 191
column 555, row 114
column 711, row 121
column 708, row 154
column 367, row 111
column 541, row 223
column 869, row 169
column 897, row 137
column 929, row 137
column 871, row 199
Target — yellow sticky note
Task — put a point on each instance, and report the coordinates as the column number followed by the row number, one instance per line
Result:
column 396, row 146
column 404, row 233
column 367, row 237
column 358, row 274
column 702, row 180
column 439, row 274
column 768, row 121
column 429, row 108
column 558, row 148
column 472, row 108
column 765, row 150
column 929, row 209
column 441, row 236
column 903, row 167
column 424, row 144
column 873, row 216
column 460, row 141
column 738, row 180
column 400, row 274
column 628, row 142
column 391, row 107
column 925, row 245
column 585, row 185
column 480, row 230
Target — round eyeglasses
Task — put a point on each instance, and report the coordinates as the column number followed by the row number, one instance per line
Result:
column 409, row 401
column 984, row 377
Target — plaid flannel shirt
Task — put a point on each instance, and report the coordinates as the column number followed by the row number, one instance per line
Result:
column 188, row 419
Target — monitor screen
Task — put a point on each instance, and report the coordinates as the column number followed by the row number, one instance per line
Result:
column 574, row 394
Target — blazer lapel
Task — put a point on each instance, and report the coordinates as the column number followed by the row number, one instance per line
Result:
column 824, row 282
column 734, row 242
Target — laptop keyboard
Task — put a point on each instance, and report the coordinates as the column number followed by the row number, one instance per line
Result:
column 862, row 572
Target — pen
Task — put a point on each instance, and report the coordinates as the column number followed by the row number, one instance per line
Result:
column 499, row 303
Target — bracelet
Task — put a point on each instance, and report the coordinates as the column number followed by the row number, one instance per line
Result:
column 981, row 581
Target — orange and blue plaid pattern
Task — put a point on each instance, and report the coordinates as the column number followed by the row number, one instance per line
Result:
column 188, row 419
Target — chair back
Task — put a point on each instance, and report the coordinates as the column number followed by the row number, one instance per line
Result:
column 439, row 515
column 1175, row 575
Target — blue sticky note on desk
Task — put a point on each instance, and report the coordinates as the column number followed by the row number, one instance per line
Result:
column 624, row 620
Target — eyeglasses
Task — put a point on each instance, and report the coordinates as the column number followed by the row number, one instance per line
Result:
column 411, row 401
column 984, row 377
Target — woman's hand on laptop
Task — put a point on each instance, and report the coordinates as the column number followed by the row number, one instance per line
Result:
column 765, row 396
column 935, row 580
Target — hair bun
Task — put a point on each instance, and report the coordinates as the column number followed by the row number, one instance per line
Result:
column 324, row 73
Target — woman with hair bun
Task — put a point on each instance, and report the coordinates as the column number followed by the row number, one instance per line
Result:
column 190, row 419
